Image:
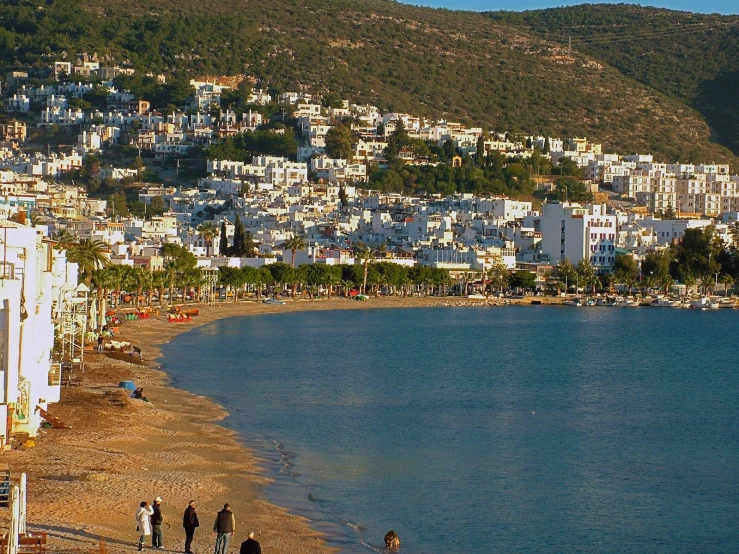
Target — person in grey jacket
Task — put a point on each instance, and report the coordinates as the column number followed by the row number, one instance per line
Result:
column 224, row 528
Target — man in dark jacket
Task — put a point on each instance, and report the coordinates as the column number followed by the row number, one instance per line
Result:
column 224, row 528
column 190, row 522
column 250, row 546
column 157, row 538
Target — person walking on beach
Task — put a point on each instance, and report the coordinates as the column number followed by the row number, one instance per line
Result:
column 100, row 343
column 224, row 528
column 143, row 526
column 250, row 546
column 157, row 538
column 190, row 522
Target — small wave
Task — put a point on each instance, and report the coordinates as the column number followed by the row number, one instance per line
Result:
column 372, row 547
column 355, row 526
column 313, row 498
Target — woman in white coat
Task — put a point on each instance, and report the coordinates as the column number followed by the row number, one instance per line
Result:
column 143, row 523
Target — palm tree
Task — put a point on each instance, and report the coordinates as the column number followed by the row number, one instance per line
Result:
column 189, row 279
column 208, row 232
column 294, row 243
column 365, row 255
column 102, row 282
column 143, row 282
column 89, row 255
column 159, row 280
column 63, row 239
column 118, row 280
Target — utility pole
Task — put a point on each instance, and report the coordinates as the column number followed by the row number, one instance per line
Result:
column 569, row 47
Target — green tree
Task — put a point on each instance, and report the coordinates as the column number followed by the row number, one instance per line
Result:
column 177, row 262
column 397, row 141
column 339, row 142
column 572, row 190
column 625, row 270
column 223, row 244
column 480, row 151
column 449, row 149
column 523, row 280
column 498, row 275
column 63, row 239
column 586, row 274
column 208, row 232
column 89, row 255
column 656, row 267
column 294, row 244
column 365, row 255
column 343, row 197
column 239, row 247
column 700, row 253
column 118, row 205
column 566, row 273
column 156, row 206
column 567, row 167
column 281, row 273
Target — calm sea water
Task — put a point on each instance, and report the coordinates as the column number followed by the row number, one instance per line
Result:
column 478, row 430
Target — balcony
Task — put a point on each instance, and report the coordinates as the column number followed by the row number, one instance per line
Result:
column 55, row 374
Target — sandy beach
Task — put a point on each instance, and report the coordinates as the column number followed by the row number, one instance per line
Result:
column 86, row 482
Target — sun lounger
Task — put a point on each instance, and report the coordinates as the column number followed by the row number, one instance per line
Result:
column 31, row 543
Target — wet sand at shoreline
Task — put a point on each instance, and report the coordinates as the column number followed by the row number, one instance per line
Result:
column 86, row 482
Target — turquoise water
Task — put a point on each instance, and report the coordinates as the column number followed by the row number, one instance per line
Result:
column 478, row 430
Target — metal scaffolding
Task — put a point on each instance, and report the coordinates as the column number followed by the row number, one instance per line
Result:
column 210, row 284
column 72, row 327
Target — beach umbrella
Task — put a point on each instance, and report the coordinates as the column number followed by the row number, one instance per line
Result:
column 13, row 542
column 22, row 506
column 93, row 314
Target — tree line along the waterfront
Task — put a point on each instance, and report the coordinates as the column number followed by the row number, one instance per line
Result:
column 700, row 259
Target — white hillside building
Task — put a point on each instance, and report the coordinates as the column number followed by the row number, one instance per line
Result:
column 31, row 289
column 579, row 232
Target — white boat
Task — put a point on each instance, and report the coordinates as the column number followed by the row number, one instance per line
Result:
column 605, row 302
column 704, row 303
column 274, row 301
column 590, row 302
column 727, row 303
column 662, row 302
column 621, row 302
column 573, row 302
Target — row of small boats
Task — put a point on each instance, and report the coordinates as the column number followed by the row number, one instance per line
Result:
column 702, row 303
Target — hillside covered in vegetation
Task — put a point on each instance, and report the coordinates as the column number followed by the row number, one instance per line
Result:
column 691, row 57
column 491, row 71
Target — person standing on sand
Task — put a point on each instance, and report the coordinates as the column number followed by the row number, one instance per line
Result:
column 157, row 538
column 143, row 526
column 100, row 342
column 224, row 528
column 190, row 522
column 250, row 546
